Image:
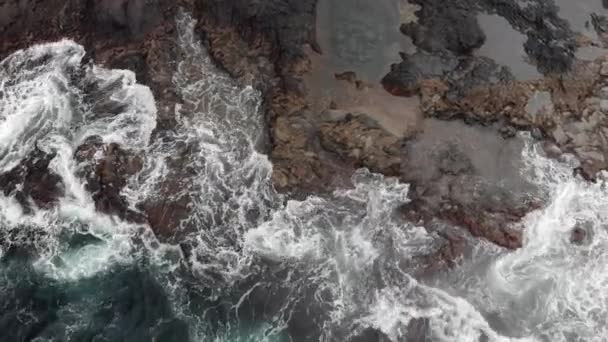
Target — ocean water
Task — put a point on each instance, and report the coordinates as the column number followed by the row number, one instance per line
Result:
column 247, row 263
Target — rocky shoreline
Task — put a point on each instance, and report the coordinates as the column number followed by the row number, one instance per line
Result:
column 450, row 96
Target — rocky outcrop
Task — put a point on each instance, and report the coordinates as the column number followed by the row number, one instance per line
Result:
column 138, row 35
column 33, row 180
column 453, row 26
column 106, row 167
column 96, row 24
column 566, row 110
column 362, row 141
column 132, row 34
column 266, row 46
column 479, row 188
column 172, row 201
column 443, row 26
column 600, row 24
column 460, row 74
column 250, row 39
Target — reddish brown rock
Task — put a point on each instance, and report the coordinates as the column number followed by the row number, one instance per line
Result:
column 170, row 201
column 447, row 255
column 32, row 180
column 165, row 214
column 107, row 167
column 363, row 143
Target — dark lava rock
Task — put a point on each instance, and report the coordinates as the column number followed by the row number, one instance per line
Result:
column 129, row 17
column 274, row 29
column 581, row 233
column 287, row 21
column 491, row 221
column 370, row 335
column 550, row 54
column 551, row 43
column 578, row 235
column 453, row 179
column 349, row 138
column 445, row 27
column 475, row 72
column 107, row 175
column 600, row 24
column 173, row 203
column 404, row 77
column 453, row 162
column 24, row 23
column 133, row 34
column 32, row 179
column 461, row 74
column 453, row 26
column 449, row 253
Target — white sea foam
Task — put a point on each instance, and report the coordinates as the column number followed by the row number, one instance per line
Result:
column 558, row 285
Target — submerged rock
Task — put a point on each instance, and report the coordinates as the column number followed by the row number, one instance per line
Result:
column 107, row 167
column 578, row 235
column 354, row 138
column 468, row 176
column 600, row 24
column 33, row 181
column 443, row 26
column 460, row 74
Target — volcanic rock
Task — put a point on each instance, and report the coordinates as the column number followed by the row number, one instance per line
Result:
column 316, row 146
column 452, row 26
column 33, row 180
column 445, row 27
column 461, row 74
column 106, row 167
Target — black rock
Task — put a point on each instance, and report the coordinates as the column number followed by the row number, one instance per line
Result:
column 461, row 73
column 600, row 23
column 453, row 26
column 445, row 27
column 32, row 179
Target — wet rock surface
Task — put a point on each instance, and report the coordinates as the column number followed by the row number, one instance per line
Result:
column 550, row 42
column 565, row 110
column 106, row 167
column 166, row 211
column 134, row 34
column 357, row 139
column 445, row 26
column 33, row 183
column 468, row 176
column 138, row 35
